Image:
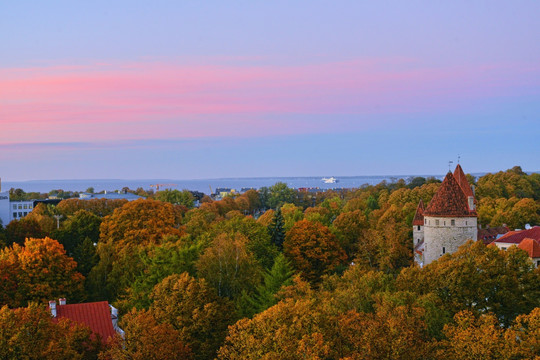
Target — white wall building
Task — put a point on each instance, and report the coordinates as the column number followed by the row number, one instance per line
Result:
column 13, row 210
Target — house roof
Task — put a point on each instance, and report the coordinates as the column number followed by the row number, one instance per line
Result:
column 515, row 237
column 449, row 200
column 489, row 234
column 419, row 215
column 531, row 246
column 96, row 315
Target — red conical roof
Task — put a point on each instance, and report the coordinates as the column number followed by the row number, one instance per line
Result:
column 462, row 181
column 449, row 200
column 419, row 216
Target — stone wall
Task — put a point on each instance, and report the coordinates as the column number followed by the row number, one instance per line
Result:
column 442, row 236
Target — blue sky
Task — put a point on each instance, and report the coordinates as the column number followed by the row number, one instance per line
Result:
column 133, row 89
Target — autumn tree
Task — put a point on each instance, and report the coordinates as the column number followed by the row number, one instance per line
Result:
column 30, row 333
column 145, row 338
column 99, row 207
column 195, row 311
column 18, row 230
column 471, row 337
column 313, row 250
column 349, row 228
column 291, row 329
column 158, row 263
column 291, row 214
column 43, row 215
column 39, row 271
column 129, row 231
column 228, row 265
column 479, row 279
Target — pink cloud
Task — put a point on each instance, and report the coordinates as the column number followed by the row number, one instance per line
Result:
column 166, row 100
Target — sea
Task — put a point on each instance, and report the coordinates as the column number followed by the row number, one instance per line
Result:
column 206, row 186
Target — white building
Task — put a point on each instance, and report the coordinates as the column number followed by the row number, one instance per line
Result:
column 13, row 210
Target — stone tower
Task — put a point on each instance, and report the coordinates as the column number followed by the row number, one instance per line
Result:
column 449, row 219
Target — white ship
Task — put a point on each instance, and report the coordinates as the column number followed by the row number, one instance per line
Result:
column 330, row 180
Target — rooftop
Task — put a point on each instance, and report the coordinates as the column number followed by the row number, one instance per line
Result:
column 449, row 200
column 96, row 315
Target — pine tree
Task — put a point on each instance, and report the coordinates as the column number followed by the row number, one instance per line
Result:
column 264, row 297
column 276, row 229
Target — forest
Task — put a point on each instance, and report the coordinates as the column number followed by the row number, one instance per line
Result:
column 273, row 273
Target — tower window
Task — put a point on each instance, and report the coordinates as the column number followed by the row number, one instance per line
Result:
column 453, row 222
column 443, row 250
column 425, row 221
column 436, row 222
column 418, row 227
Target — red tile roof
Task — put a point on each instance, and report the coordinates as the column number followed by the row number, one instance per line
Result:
column 531, row 246
column 96, row 315
column 419, row 215
column 461, row 179
column 449, row 200
column 515, row 237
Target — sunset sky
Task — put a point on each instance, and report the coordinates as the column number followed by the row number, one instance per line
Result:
column 208, row 89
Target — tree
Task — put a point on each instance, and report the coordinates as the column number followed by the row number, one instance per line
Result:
column 145, row 338
column 473, row 338
column 195, row 311
column 130, row 230
column 79, row 226
column 291, row 215
column 479, row 279
column 291, row 329
column 276, row 229
column 313, row 250
column 158, row 263
column 30, row 333
column 349, row 228
column 228, row 265
column 176, row 197
column 265, row 294
column 280, row 194
column 18, row 230
column 99, row 207
column 141, row 221
column 39, row 271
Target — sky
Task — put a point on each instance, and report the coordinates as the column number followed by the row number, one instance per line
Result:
column 210, row 89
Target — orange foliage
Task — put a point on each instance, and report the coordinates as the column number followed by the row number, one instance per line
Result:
column 38, row 271
column 313, row 249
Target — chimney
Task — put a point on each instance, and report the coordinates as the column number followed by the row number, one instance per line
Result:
column 52, row 307
column 471, row 203
column 62, row 301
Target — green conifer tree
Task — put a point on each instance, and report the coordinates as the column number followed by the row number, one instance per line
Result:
column 264, row 296
column 276, row 229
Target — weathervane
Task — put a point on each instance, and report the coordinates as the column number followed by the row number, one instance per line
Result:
column 450, row 165
column 458, row 157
